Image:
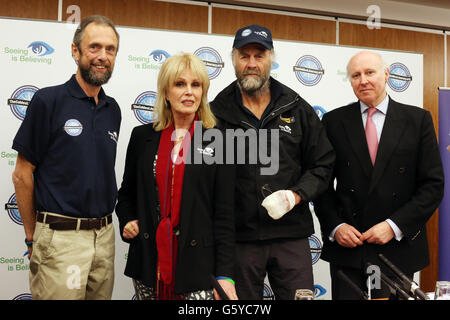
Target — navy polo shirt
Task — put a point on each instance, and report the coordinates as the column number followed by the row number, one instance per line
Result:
column 72, row 142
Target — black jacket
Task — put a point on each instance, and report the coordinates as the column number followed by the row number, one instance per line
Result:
column 206, row 239
column 305, row 163
column 405, row 185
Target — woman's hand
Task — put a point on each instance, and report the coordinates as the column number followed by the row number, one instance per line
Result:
column 131, row 229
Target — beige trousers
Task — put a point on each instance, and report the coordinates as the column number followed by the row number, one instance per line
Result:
column 72, row 265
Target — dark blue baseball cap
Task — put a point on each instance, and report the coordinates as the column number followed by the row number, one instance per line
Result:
column 253, row 34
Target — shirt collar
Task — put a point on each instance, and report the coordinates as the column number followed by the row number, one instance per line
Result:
column 77, row 92
column 382, row 107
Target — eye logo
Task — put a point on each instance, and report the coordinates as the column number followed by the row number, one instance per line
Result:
column 319, row 291
column 308, row 70
column 73, row 127
column 159, row 56
column 316, row 248
column 399, row 77
column 320, row 111
column 143, row 107
column 41, row 48
column 13, row 211
column 212, row 59
column 275, row 66
column 20, row 99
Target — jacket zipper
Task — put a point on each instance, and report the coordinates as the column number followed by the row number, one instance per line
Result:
column 276, row 111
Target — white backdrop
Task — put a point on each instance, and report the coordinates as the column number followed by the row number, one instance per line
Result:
column 36, row 54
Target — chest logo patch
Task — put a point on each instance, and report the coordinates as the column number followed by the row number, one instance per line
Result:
column 207, row 151
column 288, row 120
column 113, row 135
column 73, row 127
column 286, row 129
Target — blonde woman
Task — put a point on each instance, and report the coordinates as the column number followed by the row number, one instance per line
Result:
column 177, row 215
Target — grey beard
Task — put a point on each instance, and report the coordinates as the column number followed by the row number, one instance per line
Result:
column 254, row 87
column 89, row 76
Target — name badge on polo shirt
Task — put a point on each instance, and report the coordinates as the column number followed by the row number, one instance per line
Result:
column 73, row 127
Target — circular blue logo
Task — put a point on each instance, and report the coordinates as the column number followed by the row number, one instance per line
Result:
column 308, row 70
column 268, row 293
column 23, row 296
column 320, row 111
column 316, row 248
column 143, row 107
column 13, row 211
column 20, row 99
column 399, row 77
column 73, row 127
column 212, row 59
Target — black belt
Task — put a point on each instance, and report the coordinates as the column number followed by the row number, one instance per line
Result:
column 63, row 223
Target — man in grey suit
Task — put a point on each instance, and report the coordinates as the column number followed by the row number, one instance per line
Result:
column 389, row 181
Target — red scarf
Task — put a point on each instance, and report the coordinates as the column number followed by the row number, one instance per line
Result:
column 169, row 178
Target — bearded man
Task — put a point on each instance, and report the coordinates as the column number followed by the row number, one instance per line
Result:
column 273, row 219
column 64, row 178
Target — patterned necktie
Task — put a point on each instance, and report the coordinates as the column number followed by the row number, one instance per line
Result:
column 371, row 134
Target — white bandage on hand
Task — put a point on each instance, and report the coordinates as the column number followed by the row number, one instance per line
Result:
column 279, row 203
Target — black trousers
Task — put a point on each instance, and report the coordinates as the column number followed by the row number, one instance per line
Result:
column 287, row 263
column 341, row 290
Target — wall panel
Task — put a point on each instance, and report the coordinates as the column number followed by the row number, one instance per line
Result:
column 432, row 47
column 227, row 21
column 448, row 62
column 36, row 9
column 145, row 13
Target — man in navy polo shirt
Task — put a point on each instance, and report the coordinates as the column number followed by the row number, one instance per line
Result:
column 64, row 177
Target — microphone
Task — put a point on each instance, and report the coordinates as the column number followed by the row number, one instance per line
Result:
column 352, row 285
column 393, row 286
column 409, row 285
column 218, row 288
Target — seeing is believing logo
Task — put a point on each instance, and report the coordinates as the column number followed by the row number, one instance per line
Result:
column 41, row 48
column 35, row 52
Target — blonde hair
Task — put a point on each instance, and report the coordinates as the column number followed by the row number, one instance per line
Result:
column 169, row 73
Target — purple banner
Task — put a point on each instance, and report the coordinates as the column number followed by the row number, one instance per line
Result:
column 444, row 209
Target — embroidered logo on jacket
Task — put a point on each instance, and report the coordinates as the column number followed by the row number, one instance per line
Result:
column 207, row 151
column 288, row 120
column 286, row 129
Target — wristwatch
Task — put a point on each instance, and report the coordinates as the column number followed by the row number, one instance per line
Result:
column 29, row 243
